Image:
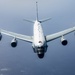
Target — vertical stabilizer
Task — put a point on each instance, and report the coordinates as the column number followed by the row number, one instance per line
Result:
column 37, row 11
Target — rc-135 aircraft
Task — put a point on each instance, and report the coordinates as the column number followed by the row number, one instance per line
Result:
column 38, row 40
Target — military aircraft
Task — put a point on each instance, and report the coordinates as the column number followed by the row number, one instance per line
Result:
column 38, row 40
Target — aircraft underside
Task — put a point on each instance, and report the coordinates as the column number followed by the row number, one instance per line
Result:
column 40, row 51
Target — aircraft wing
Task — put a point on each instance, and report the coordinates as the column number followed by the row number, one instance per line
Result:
column 18, row 36
column 59, row 34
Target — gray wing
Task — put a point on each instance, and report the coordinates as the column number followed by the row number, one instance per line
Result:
column 18, row 36
column 59, row 34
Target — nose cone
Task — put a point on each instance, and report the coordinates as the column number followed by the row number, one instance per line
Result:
column 41, row 55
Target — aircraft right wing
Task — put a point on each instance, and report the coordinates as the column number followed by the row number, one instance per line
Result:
column 59, row 34
column 18, row 36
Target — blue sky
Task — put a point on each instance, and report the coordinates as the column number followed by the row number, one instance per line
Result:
column 58, row 60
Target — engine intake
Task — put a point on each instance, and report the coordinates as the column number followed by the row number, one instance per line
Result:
column 0, row 36
column 64, row 41
column 14, row 42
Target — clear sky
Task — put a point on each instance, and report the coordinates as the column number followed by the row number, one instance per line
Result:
column 58, row 60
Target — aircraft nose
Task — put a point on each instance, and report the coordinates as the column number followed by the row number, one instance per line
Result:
column 41, row 55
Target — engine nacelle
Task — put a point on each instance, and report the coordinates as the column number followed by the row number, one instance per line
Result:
column 0, row 36
column 14, row 42
column 64, row 41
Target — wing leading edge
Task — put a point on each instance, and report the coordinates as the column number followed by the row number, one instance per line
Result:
column 30, row 38
column 59, row 34
column 18, row 36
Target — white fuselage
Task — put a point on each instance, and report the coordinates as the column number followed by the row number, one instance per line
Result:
column 39, row 39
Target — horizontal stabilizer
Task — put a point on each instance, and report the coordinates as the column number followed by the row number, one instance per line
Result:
column 45, row 20
column 28, row 20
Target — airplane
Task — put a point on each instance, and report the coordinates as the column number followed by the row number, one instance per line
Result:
column 39, row 40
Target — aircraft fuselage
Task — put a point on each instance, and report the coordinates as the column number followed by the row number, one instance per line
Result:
column 39, row 41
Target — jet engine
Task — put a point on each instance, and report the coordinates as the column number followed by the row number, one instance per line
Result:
column 14, row 42
column 0, row 36
column 64, row 41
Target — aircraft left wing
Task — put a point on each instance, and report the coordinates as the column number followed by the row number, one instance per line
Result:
column 18, row 36
column 59, row 34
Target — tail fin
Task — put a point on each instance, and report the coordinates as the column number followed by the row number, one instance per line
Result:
column 37, row 11
column 37, row 15
column 41, row 21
